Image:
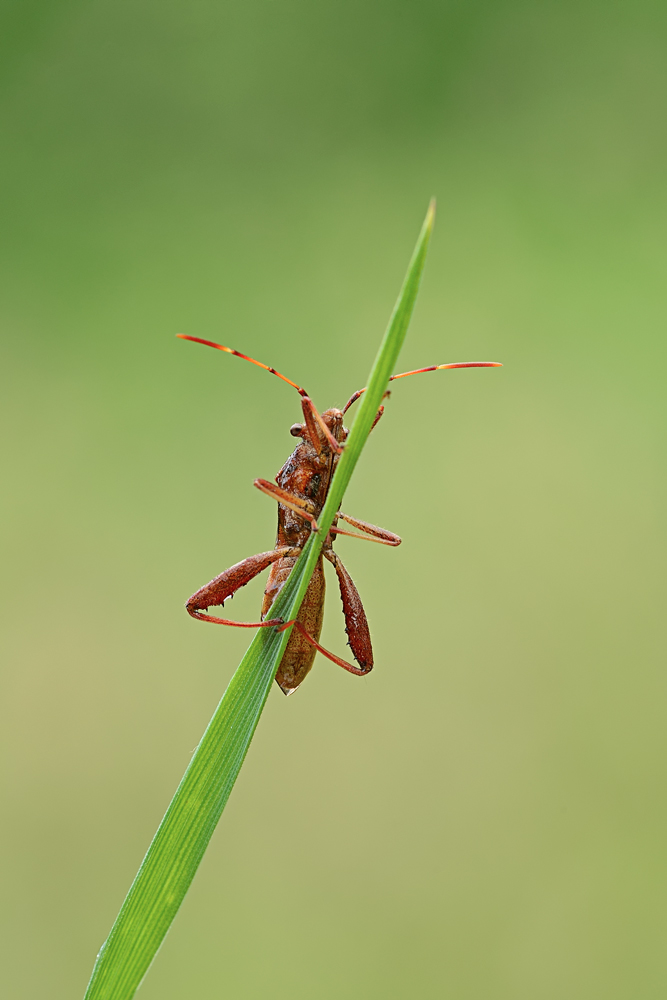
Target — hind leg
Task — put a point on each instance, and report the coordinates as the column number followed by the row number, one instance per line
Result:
column 217, row 591
column 356, row 624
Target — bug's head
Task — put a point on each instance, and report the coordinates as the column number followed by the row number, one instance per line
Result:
column 332, row 418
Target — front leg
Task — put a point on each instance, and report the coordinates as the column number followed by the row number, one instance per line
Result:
column 217, row 591
column 313, row 417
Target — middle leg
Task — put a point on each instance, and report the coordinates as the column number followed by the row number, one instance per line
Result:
column 304, row 508
column 373, row 533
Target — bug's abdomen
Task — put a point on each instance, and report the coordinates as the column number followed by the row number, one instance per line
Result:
column 299, row 654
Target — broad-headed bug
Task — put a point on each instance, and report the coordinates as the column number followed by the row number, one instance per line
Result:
column 301, row 491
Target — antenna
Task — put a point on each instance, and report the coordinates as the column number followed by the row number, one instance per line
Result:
column 230, row 350
column 433, row 368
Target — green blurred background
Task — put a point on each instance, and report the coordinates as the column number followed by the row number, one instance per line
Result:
column 484, row 816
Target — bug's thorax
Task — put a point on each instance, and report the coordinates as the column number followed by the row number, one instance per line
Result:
column 308, row 473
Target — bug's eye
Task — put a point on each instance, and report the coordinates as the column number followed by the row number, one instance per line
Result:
column 296, row 430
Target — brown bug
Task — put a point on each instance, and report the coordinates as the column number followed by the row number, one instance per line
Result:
column 301, row 492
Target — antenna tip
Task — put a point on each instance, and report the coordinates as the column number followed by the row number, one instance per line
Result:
column 473, row 364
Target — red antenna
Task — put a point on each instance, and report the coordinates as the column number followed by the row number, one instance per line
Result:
column 433, row 368
column 230, row 350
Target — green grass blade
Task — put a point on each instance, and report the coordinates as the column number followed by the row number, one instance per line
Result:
column 179, row 844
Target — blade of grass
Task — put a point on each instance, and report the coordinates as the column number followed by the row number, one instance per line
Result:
column 183, row 835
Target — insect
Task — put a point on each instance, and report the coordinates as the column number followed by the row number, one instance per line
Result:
column 300, row 490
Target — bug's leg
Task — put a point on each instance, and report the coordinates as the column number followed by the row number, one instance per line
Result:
column 378, row 415
column 356, row 624
column 304, row 508
column 217, row 591
column 313, row 418
column 373, row 533
column 312, row 433
column 360, row 672
column 355, row 621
